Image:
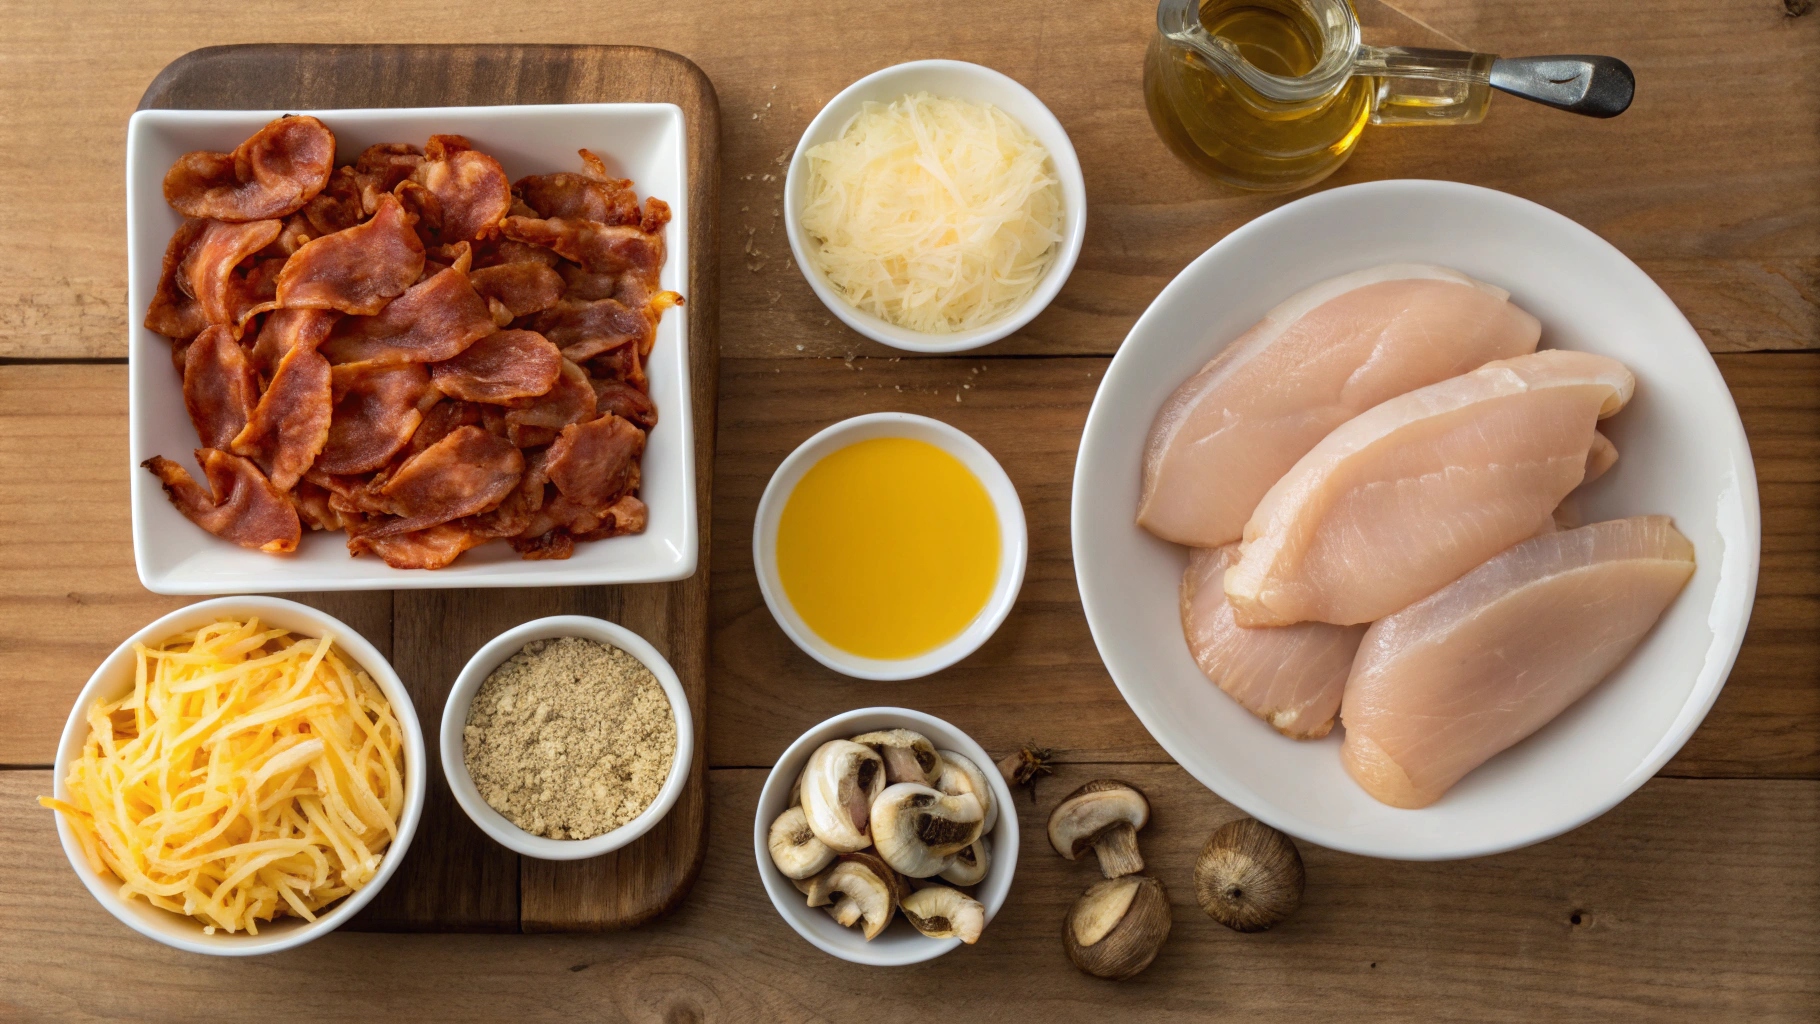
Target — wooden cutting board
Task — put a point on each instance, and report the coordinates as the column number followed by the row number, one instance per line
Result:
column 454, row 877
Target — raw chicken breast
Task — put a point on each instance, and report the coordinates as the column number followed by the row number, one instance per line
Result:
column 1405, row 498
column 1319, row 359
column 1290, row 676
column 1443, row 685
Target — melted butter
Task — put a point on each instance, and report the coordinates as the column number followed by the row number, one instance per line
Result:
column 888, row 548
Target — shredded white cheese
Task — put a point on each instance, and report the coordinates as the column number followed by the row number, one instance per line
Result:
column 935, row 214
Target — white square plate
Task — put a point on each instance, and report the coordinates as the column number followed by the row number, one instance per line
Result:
column 642, row 141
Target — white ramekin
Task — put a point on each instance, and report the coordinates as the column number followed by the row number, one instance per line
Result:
column 1013, row 542
column 115, row 676
column 899, row 944
column 494, row 654
column 961, row 80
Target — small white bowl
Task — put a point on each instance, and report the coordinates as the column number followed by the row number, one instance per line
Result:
column 960, row 80
column 1013, row 542
column 899, row 944
column 115, row 676
column 494, row 654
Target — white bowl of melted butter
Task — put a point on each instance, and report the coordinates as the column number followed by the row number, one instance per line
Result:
column 501, row 649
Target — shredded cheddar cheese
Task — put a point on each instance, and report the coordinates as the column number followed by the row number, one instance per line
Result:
column 250, row 774
column 935, row 214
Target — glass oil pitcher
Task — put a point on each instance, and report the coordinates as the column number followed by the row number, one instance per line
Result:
column 1272, row 95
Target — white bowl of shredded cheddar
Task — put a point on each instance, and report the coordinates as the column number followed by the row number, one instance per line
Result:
column 935, row 206
column 239, row 777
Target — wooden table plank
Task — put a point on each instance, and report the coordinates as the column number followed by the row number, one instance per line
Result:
column 1692, row 901
column 1711, row 181
column 1038, row 678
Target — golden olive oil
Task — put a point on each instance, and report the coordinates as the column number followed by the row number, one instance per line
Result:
column 1232, row 132
column 888, row 548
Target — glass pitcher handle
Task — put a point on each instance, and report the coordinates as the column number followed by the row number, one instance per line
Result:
column 1421, row 86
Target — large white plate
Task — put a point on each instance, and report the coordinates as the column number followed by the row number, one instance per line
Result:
column 1683, row 453
column 642, row 141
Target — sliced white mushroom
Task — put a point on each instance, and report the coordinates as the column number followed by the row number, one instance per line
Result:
column 918, row 830
column 908, row 755
column 943, row 913
column 869, row 892
column 839, row 784
column 819, row 889
column 1104, row 816
column 794, row 848
column 969, row 866
column 957, row 774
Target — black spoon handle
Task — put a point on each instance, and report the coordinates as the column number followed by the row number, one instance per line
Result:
column 1594, row 86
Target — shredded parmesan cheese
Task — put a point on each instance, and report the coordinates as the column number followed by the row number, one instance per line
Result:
column 250, row 774
column 935, row 214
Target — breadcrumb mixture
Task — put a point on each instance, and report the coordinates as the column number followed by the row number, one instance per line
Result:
column 570, row 738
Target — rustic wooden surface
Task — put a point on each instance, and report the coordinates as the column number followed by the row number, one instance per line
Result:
column 1696, row 899
column 455, row 878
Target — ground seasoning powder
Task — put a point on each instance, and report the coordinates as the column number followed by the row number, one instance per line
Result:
column 570, row 738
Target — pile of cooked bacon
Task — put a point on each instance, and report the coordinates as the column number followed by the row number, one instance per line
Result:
column 409, row 348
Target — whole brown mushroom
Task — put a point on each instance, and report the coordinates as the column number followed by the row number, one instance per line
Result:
column 1117, row 927
column 1249, row 876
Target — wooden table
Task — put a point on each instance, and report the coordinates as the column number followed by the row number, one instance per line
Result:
column 1697, row 898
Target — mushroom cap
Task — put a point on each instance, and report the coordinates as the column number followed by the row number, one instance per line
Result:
column 943, row 913
column 794, row 848
column 1091, row 811
column 839, row 783
column 957, row 773
column 918, row 830
column 908, row 755
column 1249, row 876
column 970, row 865
column 1117, row 926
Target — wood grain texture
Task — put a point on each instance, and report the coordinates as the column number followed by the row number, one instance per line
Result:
column 1711, row 181
column 1695, row 900
column 1040, row 677
column 454, row 877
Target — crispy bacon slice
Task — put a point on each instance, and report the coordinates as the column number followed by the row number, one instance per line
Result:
column 172, row 312
column 220, row 388
column 290, row 425
column 625, row 401
column 357, row 270
column 561, row 522
column 592, row 463
column 465, row 473
column 440, row 421
column 375, row 414
column 587, row 196
column 297, row 230
column 380, row 168
column 272, row 174
column 435, row 320
column 584, row 329
column 569, row 400
column 471, row 189
column 601, row 248
column 287, row 328
column 499, row 368
column 338, row 206
column 498, row 252
column 522, row 288
column 209, row 271
column 621, row 364
column 244, row 507
column 314, row 510
column 432, row 548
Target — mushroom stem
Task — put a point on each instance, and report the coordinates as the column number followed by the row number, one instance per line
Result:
column 1117, row 851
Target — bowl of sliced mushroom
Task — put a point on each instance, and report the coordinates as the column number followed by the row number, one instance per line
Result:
column 884, row 836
